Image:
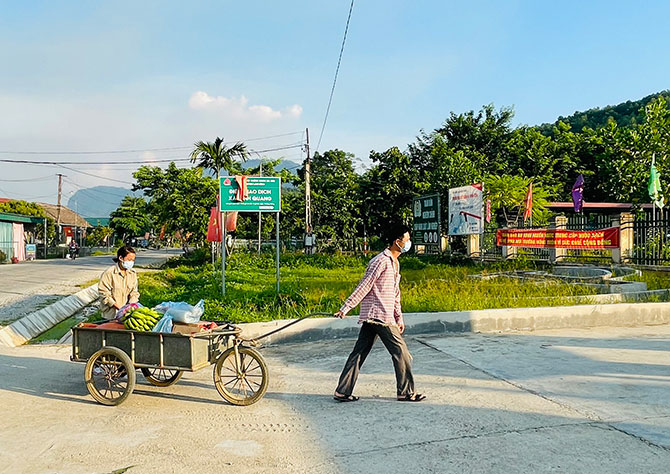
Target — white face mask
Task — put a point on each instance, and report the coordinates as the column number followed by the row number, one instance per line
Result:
column 405, row 248
column 127, row 264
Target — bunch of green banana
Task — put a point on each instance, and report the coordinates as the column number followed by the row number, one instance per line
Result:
column 140, row 319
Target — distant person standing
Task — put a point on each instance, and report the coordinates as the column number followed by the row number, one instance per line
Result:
column 379, row 296
column 118, row 284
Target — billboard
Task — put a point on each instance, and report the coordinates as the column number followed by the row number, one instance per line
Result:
column 250, row 193
column 426, row 227
column 465, row 210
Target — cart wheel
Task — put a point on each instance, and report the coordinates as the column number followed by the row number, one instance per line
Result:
column 241, row 385
column 110, row 376
column 161, row 377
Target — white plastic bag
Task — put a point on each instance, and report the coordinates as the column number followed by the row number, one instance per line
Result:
column 183, row 312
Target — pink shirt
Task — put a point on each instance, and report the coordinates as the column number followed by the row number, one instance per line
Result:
column 378, row 292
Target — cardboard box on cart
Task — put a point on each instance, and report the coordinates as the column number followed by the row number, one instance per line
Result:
column 186, row 328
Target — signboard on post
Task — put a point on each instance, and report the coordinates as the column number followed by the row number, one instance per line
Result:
column 31, row 251
column 263, row 194
column 465, row 210
column 248, row 194
column 426, row 228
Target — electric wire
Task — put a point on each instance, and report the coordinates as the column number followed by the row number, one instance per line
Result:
column 60, row 163
column 337, row 70
column 44, row 178
column 139, row 150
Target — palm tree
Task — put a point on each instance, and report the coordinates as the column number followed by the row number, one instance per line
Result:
column 216, row 155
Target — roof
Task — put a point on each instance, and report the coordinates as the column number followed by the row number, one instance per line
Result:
column 610, row 206
column 11, row 217
column 98, row 221
column 67, row 216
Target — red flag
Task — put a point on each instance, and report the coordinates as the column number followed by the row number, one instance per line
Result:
column 162, row 232
column 528, row 212
column 231, row 221
column 488, row 210
column 214, row 227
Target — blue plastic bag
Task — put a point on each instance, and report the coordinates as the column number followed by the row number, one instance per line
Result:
column 164, row 325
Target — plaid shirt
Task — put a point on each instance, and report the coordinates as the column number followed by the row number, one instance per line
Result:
column 378, row 292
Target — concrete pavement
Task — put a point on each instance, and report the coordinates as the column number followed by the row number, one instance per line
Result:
column 569, row 401
column 29, row 286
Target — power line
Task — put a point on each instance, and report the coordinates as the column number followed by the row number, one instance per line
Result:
column 94, row 175
column 139, row 150
column 337, row 70
column 60, row 163
column 27, row 179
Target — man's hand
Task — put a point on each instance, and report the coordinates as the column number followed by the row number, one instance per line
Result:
column 401, row 326
column 339, row 315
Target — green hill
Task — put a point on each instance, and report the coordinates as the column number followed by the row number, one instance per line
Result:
column 624, row 114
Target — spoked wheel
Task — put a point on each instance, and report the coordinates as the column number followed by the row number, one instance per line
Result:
column 241, row 382
column 110, row 376
column 161, row 377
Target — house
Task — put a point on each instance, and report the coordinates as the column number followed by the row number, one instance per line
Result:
column 18, row 232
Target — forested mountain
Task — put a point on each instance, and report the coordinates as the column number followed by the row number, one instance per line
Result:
column 624, row 114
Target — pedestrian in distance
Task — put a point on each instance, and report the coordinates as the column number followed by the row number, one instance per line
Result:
column 118, row 284
column 380, row 315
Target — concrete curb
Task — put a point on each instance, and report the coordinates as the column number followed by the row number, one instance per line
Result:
column 490, row 320
column 28, row 327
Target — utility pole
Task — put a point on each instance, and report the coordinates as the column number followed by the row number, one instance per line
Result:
column 309, row 242
column 60, row 190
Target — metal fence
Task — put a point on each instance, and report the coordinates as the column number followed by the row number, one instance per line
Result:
column 590, row 222
column 575, row 222
column 651, row 240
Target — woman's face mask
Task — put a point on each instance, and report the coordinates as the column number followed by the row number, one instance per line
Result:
column 127, row 264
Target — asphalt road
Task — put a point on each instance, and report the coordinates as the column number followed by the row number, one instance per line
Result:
column 27, row 286
column 561, row 401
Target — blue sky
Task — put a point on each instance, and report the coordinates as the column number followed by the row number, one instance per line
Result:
column 134, row 75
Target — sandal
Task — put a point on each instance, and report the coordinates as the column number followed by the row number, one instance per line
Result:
column 345, row 398
column 415, row 397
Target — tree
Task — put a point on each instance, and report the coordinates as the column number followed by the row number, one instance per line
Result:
column 99, row 236
column 336, row 211
column 546, row 160
column 507, row 194
column 216, row 156
column 387, row 189
column 131, row 218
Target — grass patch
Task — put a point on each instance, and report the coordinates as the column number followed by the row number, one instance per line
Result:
column 654, row 280
column 321, row 283
column 62, row 328
column 56, row 332
column 89, row 283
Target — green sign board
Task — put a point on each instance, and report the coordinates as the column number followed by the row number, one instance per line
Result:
column 426, row 228
column 263, row 194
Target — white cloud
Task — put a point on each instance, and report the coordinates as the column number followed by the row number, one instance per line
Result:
column 239, row 107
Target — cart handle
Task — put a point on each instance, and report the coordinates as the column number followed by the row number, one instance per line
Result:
column 318, row 313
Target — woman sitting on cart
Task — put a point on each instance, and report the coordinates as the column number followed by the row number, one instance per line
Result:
column 118, row 284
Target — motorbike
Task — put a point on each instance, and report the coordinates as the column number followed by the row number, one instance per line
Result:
column 74, row 251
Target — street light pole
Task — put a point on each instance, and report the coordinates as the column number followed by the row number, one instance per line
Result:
column 260, row 214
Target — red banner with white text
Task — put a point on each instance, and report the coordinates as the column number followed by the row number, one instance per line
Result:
column 559, row 238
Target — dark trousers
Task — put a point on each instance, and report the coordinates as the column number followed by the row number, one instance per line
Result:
column 394, row 343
